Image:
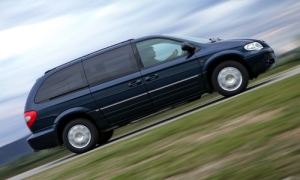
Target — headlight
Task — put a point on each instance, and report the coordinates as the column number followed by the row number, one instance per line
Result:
column 253, row 46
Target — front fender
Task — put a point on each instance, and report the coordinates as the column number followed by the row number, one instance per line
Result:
column 218, row 55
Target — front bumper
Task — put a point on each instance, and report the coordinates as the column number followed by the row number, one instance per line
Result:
column 44, row 139
column 262, row 61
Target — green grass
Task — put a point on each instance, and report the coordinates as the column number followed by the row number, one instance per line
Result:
column 27, row 163
column 260, row 143
column 44, row 157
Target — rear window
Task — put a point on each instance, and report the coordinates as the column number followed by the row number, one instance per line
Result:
column 62, row 82
column 110, row 65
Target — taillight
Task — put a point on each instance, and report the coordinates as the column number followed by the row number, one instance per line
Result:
column 30, row 117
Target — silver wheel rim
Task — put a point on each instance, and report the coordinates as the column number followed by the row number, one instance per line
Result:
column 230, row 78
column 79, row 136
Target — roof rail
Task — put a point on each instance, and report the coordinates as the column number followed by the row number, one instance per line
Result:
column 61, row 65
column 88, row 55
column 107, row 47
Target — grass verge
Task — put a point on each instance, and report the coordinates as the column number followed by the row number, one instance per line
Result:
column 252, row 136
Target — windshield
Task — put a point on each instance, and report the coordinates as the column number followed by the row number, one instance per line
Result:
column 198, row 40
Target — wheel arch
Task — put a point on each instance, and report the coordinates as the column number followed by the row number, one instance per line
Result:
column 216, row 59
column 67, row 116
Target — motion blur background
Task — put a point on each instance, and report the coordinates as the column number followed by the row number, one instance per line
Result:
column 38, row 35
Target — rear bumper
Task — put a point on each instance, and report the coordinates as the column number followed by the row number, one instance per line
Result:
column 262, row 61
column 45, row 139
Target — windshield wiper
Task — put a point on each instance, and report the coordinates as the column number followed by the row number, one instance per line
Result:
column 212, row 40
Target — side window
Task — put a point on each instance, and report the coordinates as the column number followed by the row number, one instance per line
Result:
column 110, row 65
column 155, row 51
column 64, row 81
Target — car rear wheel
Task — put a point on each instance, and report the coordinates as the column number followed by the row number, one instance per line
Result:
column 230, row 78
column 80, row 135
column 105, row 136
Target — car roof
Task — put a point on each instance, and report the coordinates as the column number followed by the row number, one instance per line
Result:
column 108, row 48
column 91, row 54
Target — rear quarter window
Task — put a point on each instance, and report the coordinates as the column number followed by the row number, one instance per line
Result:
column 62, row 82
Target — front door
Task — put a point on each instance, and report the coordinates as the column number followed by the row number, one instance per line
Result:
column 170, row 74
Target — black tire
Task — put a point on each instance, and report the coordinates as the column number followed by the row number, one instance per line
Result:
column 80, row 128
column 230, row 78
column 105, row 136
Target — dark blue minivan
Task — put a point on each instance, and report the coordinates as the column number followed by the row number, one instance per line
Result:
column 80, row 103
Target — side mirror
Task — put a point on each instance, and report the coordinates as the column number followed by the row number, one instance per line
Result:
column 185, row 46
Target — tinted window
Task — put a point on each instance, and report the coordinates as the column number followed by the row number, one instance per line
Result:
column 110, row 65
column 155, row 51
column 64, row 81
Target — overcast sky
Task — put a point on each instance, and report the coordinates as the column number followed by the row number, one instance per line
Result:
column 38, row 35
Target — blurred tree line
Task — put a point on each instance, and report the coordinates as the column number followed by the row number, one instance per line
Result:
column 290, row 56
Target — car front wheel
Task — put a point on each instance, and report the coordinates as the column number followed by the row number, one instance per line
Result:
column 80, row 135
column 230, row 78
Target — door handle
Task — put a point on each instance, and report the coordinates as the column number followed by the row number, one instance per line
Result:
column 135, row 83
column 151, row 77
